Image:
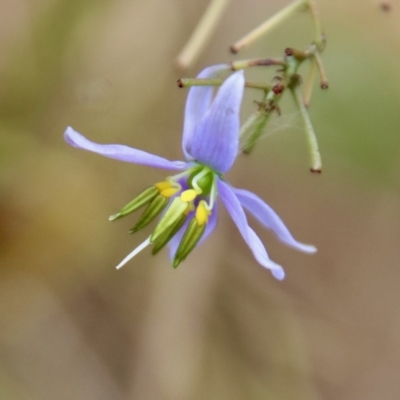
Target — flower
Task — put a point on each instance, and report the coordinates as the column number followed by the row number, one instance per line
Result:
column 186, row 201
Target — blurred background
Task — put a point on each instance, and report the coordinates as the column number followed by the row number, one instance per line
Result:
column 219, row 326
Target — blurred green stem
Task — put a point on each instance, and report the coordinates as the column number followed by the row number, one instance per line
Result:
column 316, row 165
column 268, row 25
column 309, row 83
column 322, row 73
column 201, row 34
column 189, row 82
column 319, row 36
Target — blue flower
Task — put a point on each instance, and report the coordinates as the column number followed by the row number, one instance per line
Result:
column 186, row 202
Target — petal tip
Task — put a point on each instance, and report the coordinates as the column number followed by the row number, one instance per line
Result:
column 69, row 136
column 238, row 77
column 278, row 273
column 69, row 130
column 309, row 248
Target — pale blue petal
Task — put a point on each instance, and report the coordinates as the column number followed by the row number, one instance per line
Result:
column 215, row 141
column 235, row 210
column 197, row 104
column 121, row 152
column 261, row 255
column 212, row 223
column 270, row 219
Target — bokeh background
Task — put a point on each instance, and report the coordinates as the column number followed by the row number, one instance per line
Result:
column 218, row 327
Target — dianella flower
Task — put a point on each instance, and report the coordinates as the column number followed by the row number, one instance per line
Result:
column 185, row 204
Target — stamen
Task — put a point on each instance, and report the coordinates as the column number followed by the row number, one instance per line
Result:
column 154, row 209
column 139, row 201
column 169, row 192
column 191, row 237
column 202, row 213
column 163, row 185
column 173, row 213
column 134, row 252
column 188, row 195
column 168, row 188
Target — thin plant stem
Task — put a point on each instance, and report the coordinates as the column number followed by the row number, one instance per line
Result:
column 189, row 82
column 321, row 69
column 319, row 36
column 258, row 62
column 309, row 83
column 316, row 164
column 268, row 25
column 201, row 34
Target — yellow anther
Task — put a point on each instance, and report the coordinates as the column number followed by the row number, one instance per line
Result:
column 188, row 195
column 202, row 213
column 169, row 191
column 163, row 185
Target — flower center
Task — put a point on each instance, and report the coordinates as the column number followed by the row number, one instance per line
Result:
column 186, row 198
column 201, row 179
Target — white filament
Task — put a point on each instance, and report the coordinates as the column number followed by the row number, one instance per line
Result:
column 213, row 194
column 134, row 252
